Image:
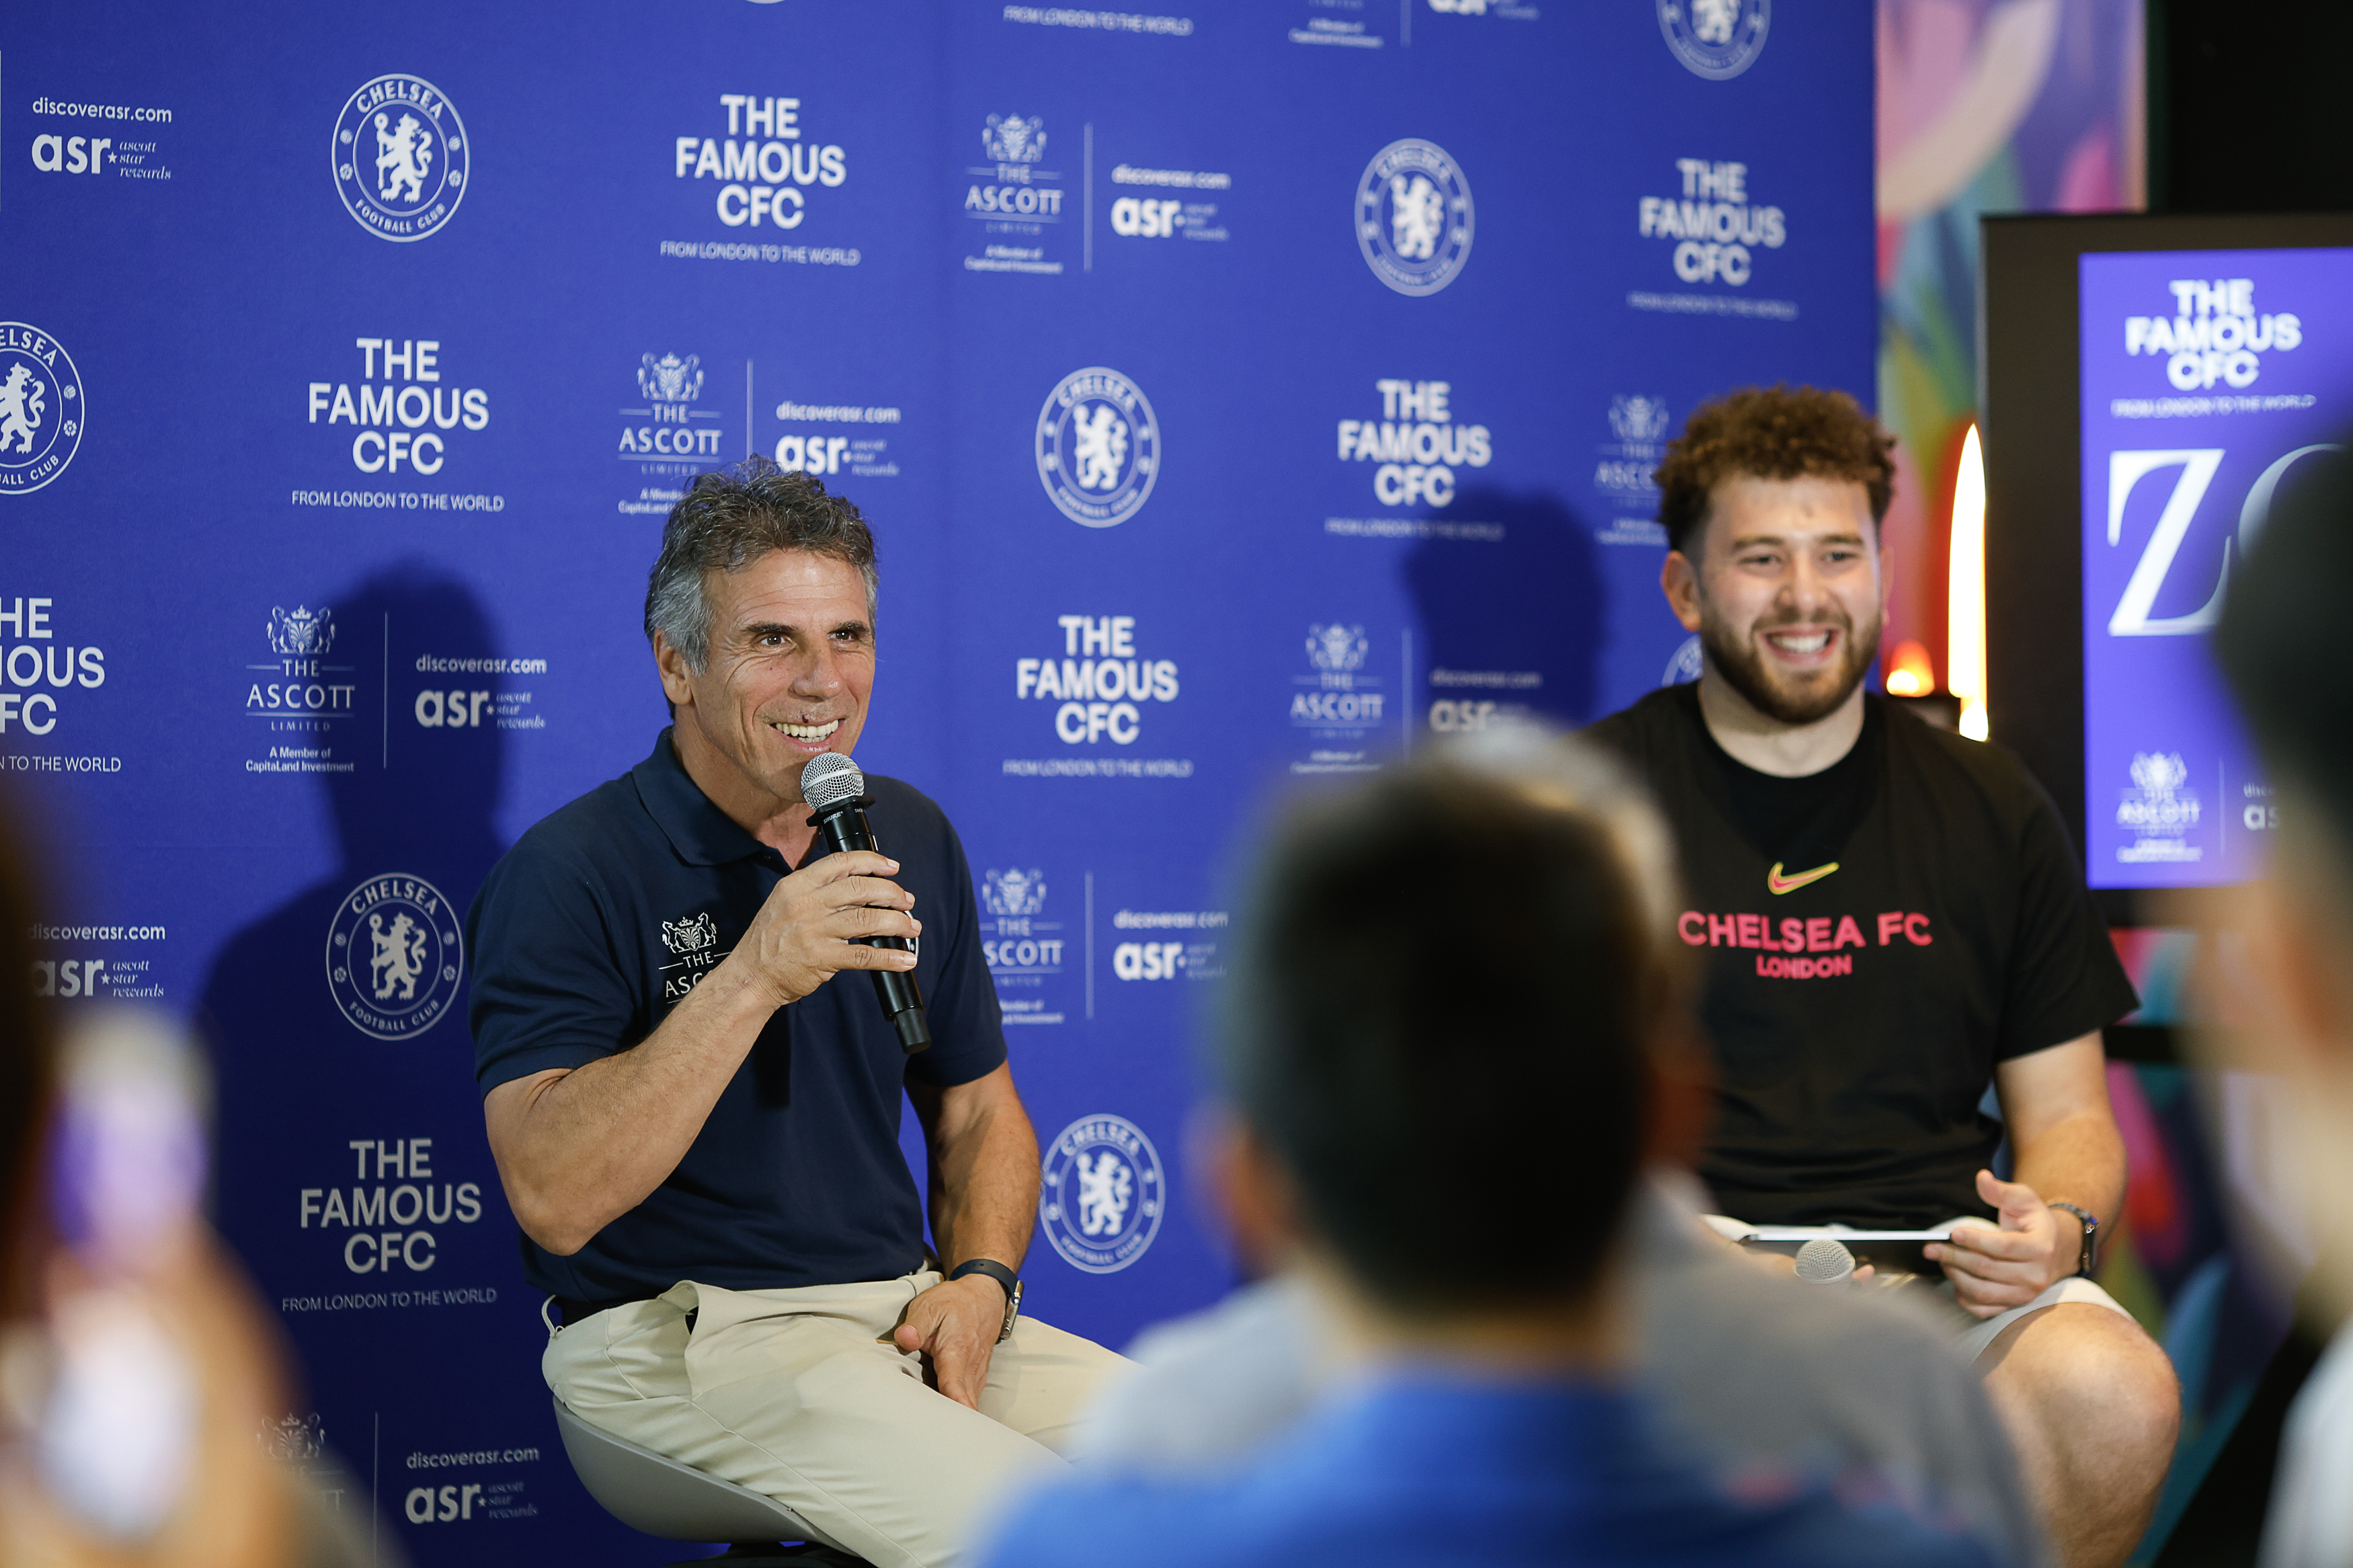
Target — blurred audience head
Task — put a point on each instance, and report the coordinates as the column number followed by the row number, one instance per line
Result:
column 2282, row 645
column 136, row 1368
column 27, row 1070
column 1455, row 987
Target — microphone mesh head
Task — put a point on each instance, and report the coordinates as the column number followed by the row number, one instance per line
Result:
column 1823, row 1261
column 830, row 779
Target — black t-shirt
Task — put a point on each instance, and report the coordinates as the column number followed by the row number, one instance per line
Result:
column 1879, row 936
column 605, row 914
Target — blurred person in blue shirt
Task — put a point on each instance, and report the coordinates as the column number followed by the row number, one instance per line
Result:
column 2282, row 645
column 1457, row 1027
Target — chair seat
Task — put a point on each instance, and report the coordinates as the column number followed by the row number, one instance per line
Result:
column 648, row 1491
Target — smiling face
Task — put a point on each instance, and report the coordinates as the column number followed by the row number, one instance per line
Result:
column 790, row 667
column 1786, row 593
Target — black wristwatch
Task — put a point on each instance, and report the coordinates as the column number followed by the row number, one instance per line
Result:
column 2091, row 1235
column 1004, row 1277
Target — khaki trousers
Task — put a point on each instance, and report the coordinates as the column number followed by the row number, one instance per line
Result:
column 800, row 1394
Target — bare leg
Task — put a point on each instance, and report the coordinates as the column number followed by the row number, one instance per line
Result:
column 2092, row 1404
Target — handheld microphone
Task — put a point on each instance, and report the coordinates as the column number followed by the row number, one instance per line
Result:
column 1823, row 1261
column 834, row 790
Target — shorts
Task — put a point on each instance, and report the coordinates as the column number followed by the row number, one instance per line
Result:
column 1974, row 1335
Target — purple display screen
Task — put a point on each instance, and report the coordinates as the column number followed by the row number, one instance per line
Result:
column 2208, row 376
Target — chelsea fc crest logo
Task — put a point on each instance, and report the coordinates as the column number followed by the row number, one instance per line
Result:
column 400, row 157
column 1414, row 216
column 40, row 408
column 1715, row 38
column 1102, row 1193
column 394, row 956
column 1098, row 448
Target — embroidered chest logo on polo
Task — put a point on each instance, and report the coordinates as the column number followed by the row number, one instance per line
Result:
column 1776, row 884
column 693, row 943
column 697, row 932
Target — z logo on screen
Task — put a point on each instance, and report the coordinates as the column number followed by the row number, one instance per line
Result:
column 2133, row 617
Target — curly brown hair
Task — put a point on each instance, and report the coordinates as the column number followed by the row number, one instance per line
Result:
column 1777, row 433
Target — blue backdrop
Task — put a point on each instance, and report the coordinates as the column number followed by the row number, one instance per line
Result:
column 1237, row 394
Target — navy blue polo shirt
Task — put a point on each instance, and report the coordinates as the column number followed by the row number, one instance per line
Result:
column 605, row 914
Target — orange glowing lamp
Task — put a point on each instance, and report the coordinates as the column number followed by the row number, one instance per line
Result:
column 1909, row 673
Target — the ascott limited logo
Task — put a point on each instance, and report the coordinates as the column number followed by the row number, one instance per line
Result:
column 674, row 433
column 1715, row 38
column 2160, row 810
column 1024, row 950
column 395, row 956
column 40, row 408
column 1098, row 448
column 1102, row 1193
column 1414, row 217
column 400, row 157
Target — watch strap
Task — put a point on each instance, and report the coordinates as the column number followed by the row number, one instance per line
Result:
column 1007, row 1280
column 2091, row 1223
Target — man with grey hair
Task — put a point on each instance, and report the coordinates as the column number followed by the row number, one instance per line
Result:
column 699, row 1134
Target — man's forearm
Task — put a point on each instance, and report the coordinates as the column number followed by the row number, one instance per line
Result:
column 577, row 1151
column 985, row 1187
column 2079, row 1160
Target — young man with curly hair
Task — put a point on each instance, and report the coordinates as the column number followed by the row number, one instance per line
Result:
column 1893, row 920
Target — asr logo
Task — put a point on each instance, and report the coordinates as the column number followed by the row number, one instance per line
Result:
column 400, row 158
column 40, row 408
column 1098, row 448
column 1102, row 1193
column 394, row 956
column 1414, row 216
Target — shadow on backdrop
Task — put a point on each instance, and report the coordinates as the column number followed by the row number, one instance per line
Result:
column 420, row 802
column 1523, row 616
column 396, row 1277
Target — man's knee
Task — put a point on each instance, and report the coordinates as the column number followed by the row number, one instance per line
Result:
column 2084, row 1370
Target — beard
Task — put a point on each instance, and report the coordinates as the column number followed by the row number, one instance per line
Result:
column 1786, row 700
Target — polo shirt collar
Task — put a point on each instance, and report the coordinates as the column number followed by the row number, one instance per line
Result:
column 700, row 833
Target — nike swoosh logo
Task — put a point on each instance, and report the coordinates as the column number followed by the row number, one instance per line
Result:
column 1776, row 884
